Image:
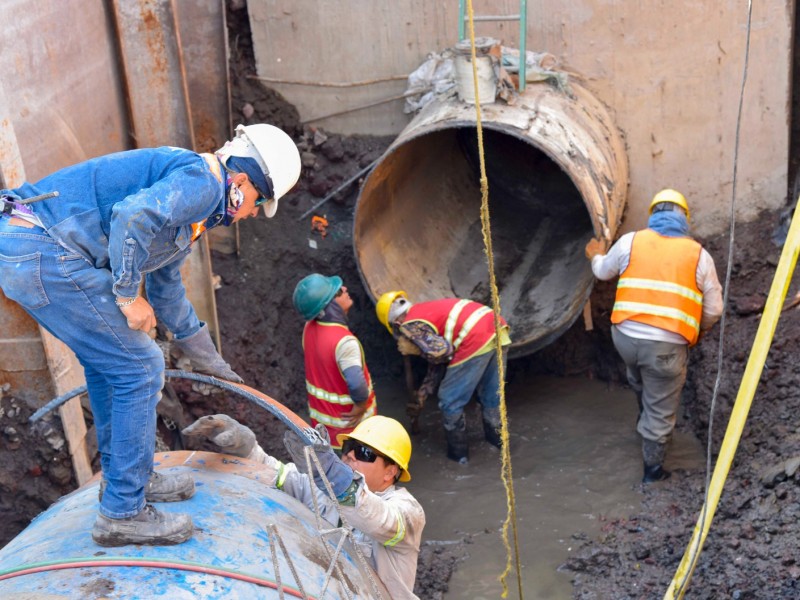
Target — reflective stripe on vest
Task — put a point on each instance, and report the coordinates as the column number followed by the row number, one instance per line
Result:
column 659, row 286
column 471, row 321
column 335, row 422
column 327, row 392
column 465, row 324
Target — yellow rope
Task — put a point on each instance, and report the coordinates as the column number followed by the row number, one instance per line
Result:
column 508, row 481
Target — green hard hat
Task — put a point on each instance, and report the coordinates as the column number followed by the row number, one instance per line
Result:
column 313, row 293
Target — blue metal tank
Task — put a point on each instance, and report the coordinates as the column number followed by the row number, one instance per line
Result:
column 236, row 514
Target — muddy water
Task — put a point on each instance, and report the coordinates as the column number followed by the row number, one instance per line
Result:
column 576, row 463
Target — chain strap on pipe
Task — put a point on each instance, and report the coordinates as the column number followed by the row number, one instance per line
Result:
column 334, row 563
column 347, row 529
column 275, row 539
column 505, row 473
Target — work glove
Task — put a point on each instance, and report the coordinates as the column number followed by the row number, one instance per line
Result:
column 200, row 351
column 432, row 347
column 338, row 474
column 594, row 247
column 228, row 434
column 406, row 347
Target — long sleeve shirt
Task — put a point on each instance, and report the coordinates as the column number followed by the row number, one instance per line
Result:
column 133, row 213
column 387, row 525
column 608, row 266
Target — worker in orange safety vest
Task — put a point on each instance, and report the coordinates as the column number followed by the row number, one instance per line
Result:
column 457, row 339
column 338, row 383
column 668, row 296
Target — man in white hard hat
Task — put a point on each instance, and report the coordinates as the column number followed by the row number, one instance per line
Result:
column 75, row 262
column 668, row 295
column 387, row 520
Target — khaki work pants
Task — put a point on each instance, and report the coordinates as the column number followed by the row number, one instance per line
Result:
column 656, row 372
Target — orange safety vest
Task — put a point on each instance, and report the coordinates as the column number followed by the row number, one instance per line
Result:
column 328, row 395
column 659, row 286
column 466, row 324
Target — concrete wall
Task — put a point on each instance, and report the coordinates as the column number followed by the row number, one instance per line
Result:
column 670, row 73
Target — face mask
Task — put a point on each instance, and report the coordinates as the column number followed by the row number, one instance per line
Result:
column 236, row 197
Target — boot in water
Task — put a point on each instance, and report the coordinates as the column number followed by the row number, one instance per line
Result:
column 457, row 447
column 655, row 473
column 492, row 434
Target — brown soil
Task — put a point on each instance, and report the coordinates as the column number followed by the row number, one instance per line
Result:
column 752, row 549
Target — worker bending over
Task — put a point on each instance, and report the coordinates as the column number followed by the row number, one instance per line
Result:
column 668, row 296
column 75, row 263
column 387, row 520
column 457, row 339
column 338, row 383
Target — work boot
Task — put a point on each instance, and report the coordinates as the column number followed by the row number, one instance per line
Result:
column 653, row 454
column 655, row 473
column 457, row 446
column 492, row 434
column 149, row 527
column 455, row 429
column 163, row 487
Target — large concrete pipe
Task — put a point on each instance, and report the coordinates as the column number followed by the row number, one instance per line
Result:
column 557, row 175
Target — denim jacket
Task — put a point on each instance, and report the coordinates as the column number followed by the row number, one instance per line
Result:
column 132, row 213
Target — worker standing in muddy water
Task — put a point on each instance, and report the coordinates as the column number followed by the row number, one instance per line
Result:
column 387, row 519
column 338, row 383
column 75, row 263
column 668, row 296
column 457, row 339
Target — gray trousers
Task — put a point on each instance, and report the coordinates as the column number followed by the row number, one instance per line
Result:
column 657, row 372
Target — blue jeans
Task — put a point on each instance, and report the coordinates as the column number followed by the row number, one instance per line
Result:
column 478, row 374
column 124, row 368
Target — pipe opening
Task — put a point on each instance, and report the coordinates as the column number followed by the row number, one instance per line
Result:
column 418, row 228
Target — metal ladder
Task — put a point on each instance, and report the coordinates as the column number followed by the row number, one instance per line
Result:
column 522, row 18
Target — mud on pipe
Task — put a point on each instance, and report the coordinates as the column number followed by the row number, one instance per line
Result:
column 557, row 174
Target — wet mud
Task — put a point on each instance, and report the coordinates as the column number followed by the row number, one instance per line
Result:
column 751, row 550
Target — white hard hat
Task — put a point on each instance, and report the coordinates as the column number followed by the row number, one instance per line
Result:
column 275, row 153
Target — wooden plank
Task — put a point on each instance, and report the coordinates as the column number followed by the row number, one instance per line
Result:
column 587, row 316
column 74, row 425
column 67, row 374
column 197, row 279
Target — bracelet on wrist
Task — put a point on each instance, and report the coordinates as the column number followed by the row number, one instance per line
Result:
column 126, row 302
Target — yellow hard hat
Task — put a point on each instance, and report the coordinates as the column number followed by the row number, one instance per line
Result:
column 671, row 196
column 388, row 437
column 384, row 304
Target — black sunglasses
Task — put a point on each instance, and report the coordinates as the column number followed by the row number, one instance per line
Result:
column 361, row 452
